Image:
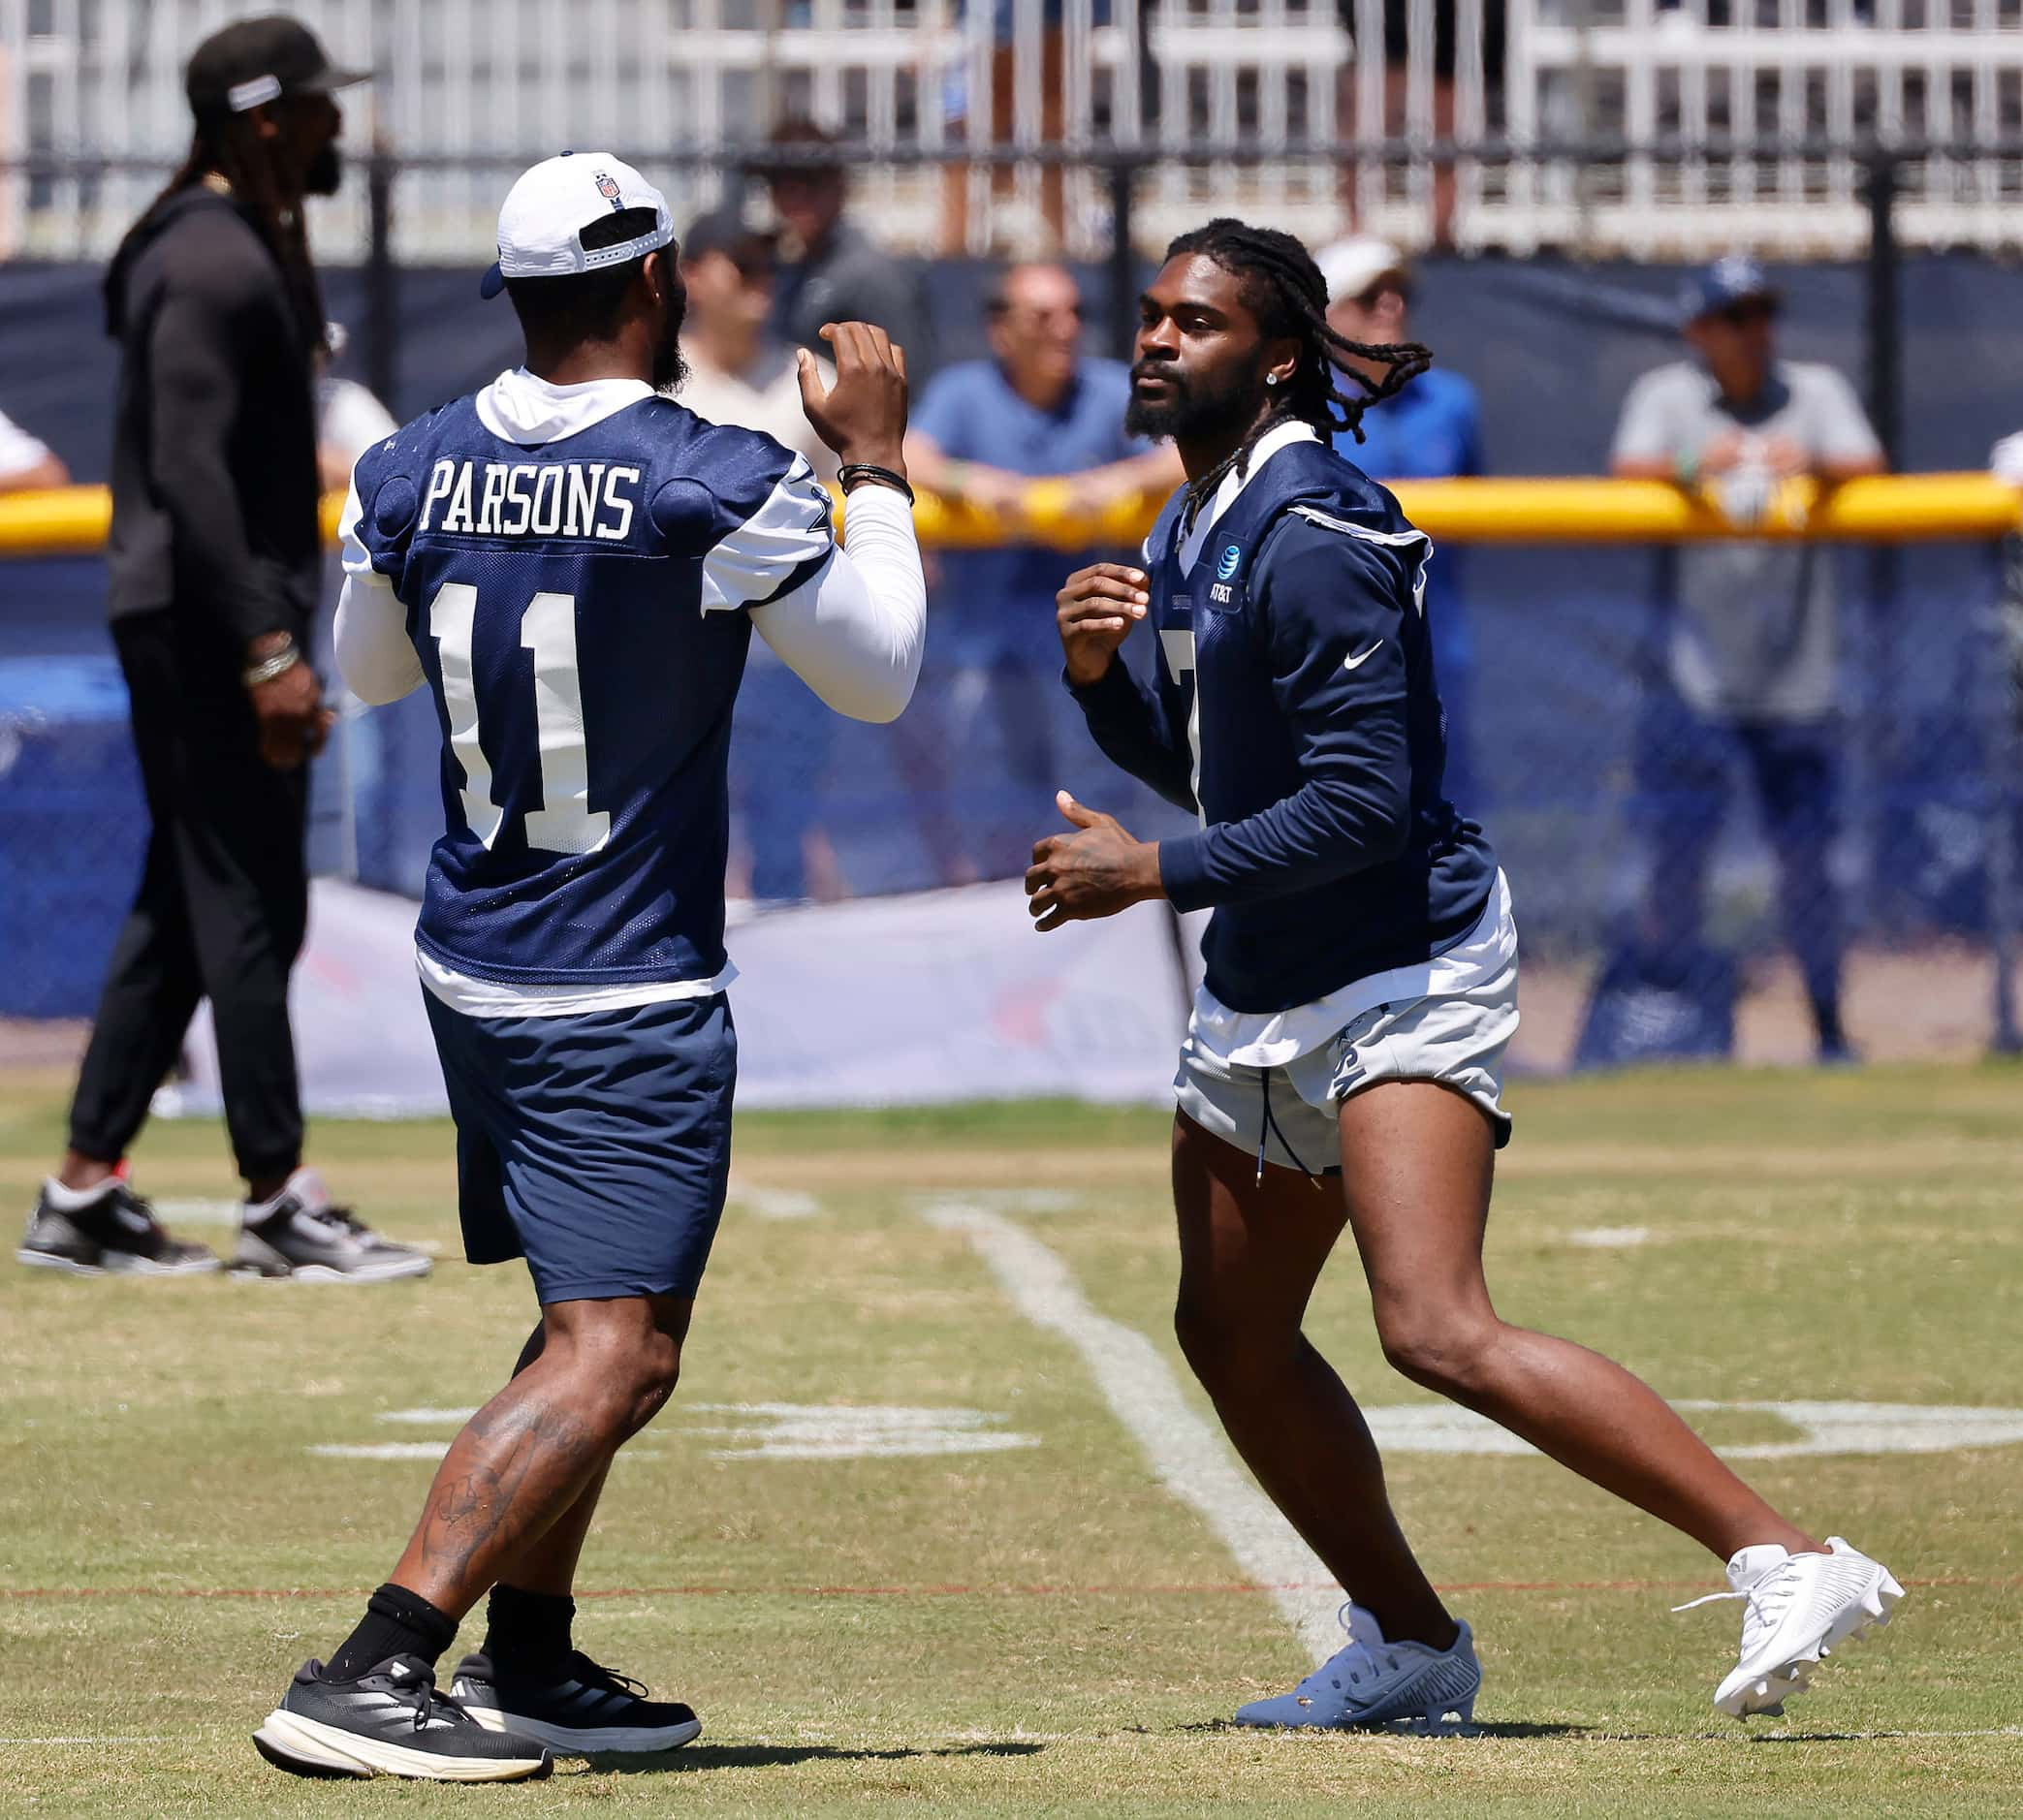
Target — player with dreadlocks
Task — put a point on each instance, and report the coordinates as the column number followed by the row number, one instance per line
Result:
column 1344, row 1062
column 213, row 570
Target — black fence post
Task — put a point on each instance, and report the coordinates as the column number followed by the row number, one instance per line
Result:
column 1890, row 842
column 1885, row 367
column 1124, row 263
column 382, row 283
column 2000, row 668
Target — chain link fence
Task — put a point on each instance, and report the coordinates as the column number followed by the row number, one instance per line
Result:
column 1684, row 886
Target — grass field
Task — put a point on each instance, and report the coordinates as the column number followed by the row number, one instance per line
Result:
column 1028, row 1621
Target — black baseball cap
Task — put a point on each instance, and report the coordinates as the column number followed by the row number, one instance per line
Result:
column 254, row 61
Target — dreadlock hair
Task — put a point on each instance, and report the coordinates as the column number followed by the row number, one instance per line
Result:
column 262, row 177
column 1284, row 289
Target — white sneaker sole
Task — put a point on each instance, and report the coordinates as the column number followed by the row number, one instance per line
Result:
column 309, row 1747
column 575, row 1740
column 329, row 1273
column 120, row 1264
column 1766, row 1690
column 1421, row 1719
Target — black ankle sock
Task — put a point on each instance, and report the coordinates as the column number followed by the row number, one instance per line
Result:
column 397, row 1622
column 527, row 1626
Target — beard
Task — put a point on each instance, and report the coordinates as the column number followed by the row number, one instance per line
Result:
column 669, row 369
column 1197, row 410
column 326, row 171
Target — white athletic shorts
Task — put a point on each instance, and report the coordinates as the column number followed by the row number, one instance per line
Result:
column 1288, row 1114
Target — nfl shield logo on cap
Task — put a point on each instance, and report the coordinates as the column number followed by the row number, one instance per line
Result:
column 541, row 222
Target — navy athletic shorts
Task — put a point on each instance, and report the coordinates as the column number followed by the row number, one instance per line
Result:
column 598, row 1146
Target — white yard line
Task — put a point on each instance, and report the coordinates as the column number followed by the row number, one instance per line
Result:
column 378, row 1450
column 157, row 1737
column 773, row 1203
column 174, row 1211
column 1192, row 1461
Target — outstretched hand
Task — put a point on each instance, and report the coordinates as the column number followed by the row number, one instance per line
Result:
column 1095, row 871
column 863, row 415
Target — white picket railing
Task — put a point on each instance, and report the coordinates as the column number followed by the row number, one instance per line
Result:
column 509, row 79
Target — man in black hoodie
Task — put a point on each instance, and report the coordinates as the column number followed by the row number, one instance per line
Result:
column 213, row 570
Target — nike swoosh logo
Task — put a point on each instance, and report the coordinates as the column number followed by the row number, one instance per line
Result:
column 1356, row 663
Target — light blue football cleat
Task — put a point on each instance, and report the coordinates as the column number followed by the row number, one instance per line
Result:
column 1372, row 1682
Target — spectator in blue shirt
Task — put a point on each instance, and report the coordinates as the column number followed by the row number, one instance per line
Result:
column 1037, row 409
column 1430, row 431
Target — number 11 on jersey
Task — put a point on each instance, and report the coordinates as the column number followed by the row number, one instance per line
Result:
column 566, row 822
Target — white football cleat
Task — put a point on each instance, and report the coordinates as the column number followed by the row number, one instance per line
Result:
column 1796, row 1609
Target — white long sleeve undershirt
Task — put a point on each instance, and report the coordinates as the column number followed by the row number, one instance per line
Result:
column 854, row 632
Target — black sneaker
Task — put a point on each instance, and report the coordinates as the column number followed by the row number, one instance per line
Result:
column 572, row 1706
column 307, row 1238
column 117, row 1232
column 390, row 1722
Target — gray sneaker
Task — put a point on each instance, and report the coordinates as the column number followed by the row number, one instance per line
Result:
column 304, row 1235
column 391, row 1721
column 117, row 1233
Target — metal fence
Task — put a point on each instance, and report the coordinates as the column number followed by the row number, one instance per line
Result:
column 1461, row 122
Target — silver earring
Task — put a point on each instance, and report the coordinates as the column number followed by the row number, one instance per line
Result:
column 1271, row 379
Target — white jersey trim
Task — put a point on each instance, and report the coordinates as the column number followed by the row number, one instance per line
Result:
column 791, row 529
column 1271, row 1039
column 494, row 998
column 1395, row 540
column 1233, row 484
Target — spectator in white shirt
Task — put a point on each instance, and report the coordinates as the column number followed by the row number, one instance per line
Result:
column 349, row 418
column 26, row 461
column 740, row 372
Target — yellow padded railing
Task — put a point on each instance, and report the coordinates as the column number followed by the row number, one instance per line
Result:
column 1887, row 509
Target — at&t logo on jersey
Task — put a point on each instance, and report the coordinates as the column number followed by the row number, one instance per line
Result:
column 1232, row 558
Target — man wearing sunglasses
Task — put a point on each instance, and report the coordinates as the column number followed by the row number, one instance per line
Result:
column 1753, row 635
column 1432, row 430
column 1038, row 408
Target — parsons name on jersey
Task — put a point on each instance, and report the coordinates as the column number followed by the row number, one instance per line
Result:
column 531, row 500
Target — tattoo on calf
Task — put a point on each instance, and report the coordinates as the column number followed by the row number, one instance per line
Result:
column 531, row 1455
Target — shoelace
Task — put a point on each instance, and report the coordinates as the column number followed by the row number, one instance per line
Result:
column 1357, row 1651
column 124, row 1197
column 349, row 1221
column 154, row 1242
column 427, row 1698
column 1763, row 1605
column 608, row 1680
column 340, row 1218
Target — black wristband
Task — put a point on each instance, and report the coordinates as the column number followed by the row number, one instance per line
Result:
column 882, row 477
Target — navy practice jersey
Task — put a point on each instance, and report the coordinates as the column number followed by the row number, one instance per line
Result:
column 1295, row 710
column 579, row 606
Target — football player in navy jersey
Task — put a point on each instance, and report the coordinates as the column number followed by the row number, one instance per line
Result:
column 573, row 564
column 1344, row 1057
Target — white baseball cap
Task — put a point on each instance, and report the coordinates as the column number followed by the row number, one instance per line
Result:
column 1352, row 266
column 542, row 220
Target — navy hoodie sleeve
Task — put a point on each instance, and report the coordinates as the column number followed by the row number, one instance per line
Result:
column 1332, row 604
column 1134, row 728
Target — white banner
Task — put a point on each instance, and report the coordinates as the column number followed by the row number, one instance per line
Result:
column 947, row 995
